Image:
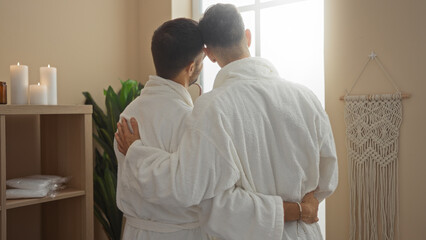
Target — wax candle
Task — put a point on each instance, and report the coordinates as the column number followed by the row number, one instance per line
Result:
column 48, row 79
column 38, row 94
column 19, row 84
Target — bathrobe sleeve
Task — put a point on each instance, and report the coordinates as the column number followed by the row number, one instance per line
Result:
column 328, row 171
column 204, row 168
column 239, row 214
column 198, row 170
column 228, row 213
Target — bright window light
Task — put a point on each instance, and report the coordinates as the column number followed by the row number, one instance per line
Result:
column 289, row 33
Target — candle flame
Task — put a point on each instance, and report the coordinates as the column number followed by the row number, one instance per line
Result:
column 48, row 65
column 38, row 84
column 18, row 63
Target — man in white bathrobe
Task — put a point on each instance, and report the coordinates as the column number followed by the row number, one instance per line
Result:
column 258, row 115
column 164, row 106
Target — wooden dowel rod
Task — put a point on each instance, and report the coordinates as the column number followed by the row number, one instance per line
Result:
column 404, row 95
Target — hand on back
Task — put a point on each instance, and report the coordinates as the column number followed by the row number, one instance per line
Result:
column 309, row 208
column 124, row 136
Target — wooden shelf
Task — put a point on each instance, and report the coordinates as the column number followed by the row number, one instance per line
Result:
column 57, row 140
column 45, row 109
column 64, row 194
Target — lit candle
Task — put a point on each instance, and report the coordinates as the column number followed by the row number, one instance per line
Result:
column 19, row 84
column 38, row 94
column 48, row 79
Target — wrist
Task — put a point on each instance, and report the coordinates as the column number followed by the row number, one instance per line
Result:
column 291, row 211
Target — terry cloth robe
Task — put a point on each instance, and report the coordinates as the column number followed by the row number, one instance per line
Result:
column 254, row 130
column 162, row 110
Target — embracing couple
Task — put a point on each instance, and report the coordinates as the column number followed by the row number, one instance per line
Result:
column 249, row 160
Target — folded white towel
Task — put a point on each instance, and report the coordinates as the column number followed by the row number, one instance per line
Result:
column 37, row 182
column 26, row 193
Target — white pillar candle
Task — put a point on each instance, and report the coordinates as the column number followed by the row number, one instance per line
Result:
column 48, row 79
column 19, row 84
column 38, row 94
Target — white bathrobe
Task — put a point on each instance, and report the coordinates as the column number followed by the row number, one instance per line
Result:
column 254, row 130
column 162, row 110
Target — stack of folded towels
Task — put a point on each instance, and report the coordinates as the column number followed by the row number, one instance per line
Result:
column 35, row 186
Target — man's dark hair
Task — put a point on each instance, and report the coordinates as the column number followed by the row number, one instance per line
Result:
column 175, row 44
column 222, row 26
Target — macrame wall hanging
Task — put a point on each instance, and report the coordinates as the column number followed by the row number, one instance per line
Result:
column 372, row 133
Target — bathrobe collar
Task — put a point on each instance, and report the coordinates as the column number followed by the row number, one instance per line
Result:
column 246, row 68
column 159, row 82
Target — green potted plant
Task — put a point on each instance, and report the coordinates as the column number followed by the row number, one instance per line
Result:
column 105, row 169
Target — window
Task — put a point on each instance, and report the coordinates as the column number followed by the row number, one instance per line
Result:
column 289, row 33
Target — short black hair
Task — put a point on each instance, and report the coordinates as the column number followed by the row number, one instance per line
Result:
column 175, row 44
column 222, row 26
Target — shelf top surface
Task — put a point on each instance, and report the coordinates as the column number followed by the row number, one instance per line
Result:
column 64, row 194
column 45, row 109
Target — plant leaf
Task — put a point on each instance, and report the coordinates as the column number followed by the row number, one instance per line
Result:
column 104, row 223
column 99, row 116
column 113, row 109
column 105, row 169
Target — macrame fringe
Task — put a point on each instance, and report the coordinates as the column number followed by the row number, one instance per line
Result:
column 372, row 130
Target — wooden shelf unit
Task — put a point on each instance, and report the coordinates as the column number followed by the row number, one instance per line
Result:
column 53, row 140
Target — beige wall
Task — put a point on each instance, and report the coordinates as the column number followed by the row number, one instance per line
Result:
column 92, row 43
column 181, row 8
column 396, row 31
column 151, row 14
